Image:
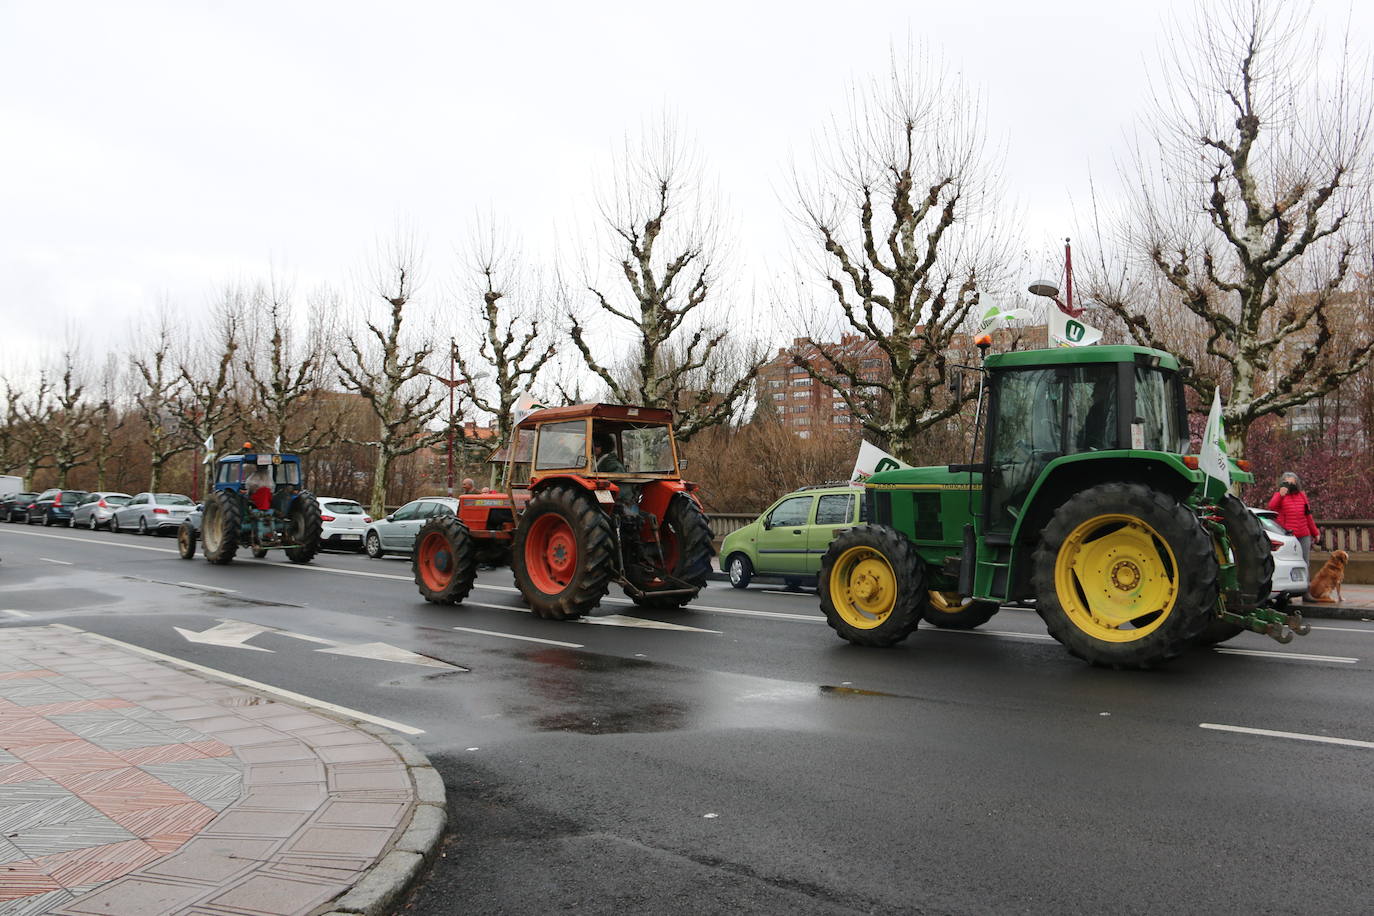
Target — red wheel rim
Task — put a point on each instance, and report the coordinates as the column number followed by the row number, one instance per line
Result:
column 436, row 562
column 551, row 554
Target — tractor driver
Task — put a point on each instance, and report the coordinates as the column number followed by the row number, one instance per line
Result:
column 603, row 454
column 259, row 487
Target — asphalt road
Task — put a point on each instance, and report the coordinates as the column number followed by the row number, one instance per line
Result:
column 747, row 760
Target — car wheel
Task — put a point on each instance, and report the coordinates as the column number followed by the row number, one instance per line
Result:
column 114, row 524
column 741, row 570
column 47, row 520
column 373, row 545
column 142, row 525
column 91, row 524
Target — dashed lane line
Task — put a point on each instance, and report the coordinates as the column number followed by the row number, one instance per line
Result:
column 256, row 685
column 209, row 588
column 547, row 642
column 15, row 612
column 1288, row 656
column 58, row 562
column 1292, row 736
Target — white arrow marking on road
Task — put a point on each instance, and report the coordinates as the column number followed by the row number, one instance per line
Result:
column 388, row 653
column 547, row 642
column 229, row 633
column 620, row 620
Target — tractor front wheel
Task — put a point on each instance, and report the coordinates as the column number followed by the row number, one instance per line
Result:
column 563, row 556
column 945, row 611
column 444, row 561
column 1125, row 576
column 186, row 541
column 685, row 541
column 306, row 528
column 872, row 586
column 1254, row 562
column 220, row 523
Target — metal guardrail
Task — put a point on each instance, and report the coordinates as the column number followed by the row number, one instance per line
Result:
column 1352, row 536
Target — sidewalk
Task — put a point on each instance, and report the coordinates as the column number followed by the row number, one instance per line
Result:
column 130, row 786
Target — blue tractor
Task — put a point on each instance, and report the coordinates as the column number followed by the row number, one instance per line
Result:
column 257, row 502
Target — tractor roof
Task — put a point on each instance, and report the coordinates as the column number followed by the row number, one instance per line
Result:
column 1074, row 356
column 622, row 412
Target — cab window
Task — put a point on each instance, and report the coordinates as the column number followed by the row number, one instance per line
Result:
column 833, row 509
column 793, row 511
column 561, row 445
column 523, row 451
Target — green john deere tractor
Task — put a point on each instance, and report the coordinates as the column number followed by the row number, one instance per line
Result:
column 1083, row 502
column 257, row 502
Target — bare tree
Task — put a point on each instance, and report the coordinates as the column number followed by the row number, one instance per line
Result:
column 1245, row 236
column 209, row 404
column 157, row 400
column 511, row 338
column 667, row 254
column 33, row 429
column 392, row 377
column 73, row 419
column 904, row 213
column 107, row 421
column 286, row 373
column 9, row 429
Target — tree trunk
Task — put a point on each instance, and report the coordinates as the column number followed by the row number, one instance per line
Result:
column 379, row 478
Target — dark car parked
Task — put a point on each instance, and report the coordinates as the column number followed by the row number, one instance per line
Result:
column 15, row 507
column 54, row 507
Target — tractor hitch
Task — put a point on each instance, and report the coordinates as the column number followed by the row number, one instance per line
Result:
column 1277, row 625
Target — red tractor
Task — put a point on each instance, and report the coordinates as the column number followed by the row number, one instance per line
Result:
column 594, row 496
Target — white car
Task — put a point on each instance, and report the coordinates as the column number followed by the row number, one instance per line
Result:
column 1290, row 570
column 396, row 533
column 345, row 523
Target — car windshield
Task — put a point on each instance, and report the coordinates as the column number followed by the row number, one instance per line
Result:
column 345, row 508
column 117, row 500
column 173, row 499
column 648, row 450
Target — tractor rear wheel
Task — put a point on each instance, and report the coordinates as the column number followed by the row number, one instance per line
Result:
column 186, row 541
column 944, row 611
column 1254, row 569
column 1125, row 576
column 306, row 528
column 219, row 526
column 444, row 561
column 564, row 553
column 872, row 586
column 685, row 537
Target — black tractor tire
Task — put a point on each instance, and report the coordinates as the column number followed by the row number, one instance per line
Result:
column 688, row 525
column 258, row 552
column 373, row 545
column 186, row 542
column 306, row 528
column 220, row 524
column 969, row 617
column 444, row 561
column 872, row 586
column 563, row 556
column 740, row 570
column 1159, row 554
column 1254, row 569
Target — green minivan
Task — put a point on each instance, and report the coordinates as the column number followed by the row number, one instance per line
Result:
column 791, row 536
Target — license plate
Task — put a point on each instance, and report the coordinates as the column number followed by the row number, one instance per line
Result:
column 349, row 537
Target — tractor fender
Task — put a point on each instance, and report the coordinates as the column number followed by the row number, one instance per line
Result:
column 658, row 494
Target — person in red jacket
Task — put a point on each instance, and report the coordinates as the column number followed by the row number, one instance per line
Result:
column 1294, row 511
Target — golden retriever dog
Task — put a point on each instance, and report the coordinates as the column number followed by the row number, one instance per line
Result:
column 1328, row 579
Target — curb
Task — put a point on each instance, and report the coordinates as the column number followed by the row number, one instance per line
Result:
column 384, row 884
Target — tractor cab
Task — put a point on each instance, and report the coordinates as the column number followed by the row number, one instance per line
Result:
column 232, row 471
column 558, row 441
column 1085, row 401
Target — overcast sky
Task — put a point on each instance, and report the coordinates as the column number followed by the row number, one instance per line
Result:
column 154, row 152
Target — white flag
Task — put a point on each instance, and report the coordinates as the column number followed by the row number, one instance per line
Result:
column 277, row 446
column 871, row 460
column 1070, row 332
column 1212, row 461
column 997, row 317
column 209, row 443
column 523, row 407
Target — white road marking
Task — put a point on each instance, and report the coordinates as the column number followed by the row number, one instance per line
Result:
column 15, row 612
column 209, row 588
column 256, row 685
column 745, row 612
column 68, row 537
column 58, row 562
column 547, row 642
column 229, row 634
column 1011, row 633
column 1296, row 736
column 1367, row 631
column 1288, row 656
column 620, row 620
column 384, row 652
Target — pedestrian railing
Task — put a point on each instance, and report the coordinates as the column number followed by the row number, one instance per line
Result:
column 722, row 523
column 1352, row 536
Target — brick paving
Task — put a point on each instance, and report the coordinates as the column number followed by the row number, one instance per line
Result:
column 129, row 786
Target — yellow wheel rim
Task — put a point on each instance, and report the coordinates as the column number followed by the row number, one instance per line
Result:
column 1116, row 578
column 946, row 602
column 863, row 587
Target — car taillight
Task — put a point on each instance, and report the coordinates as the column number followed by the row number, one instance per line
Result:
column 159, row 511
column 57, row 500
column 326, row 518
column 1275, row 545
column 367, row 519
column 102, row 505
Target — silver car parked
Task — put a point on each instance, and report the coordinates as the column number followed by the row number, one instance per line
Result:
column 396, row 533
column 149, row 513
column 96, row 510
